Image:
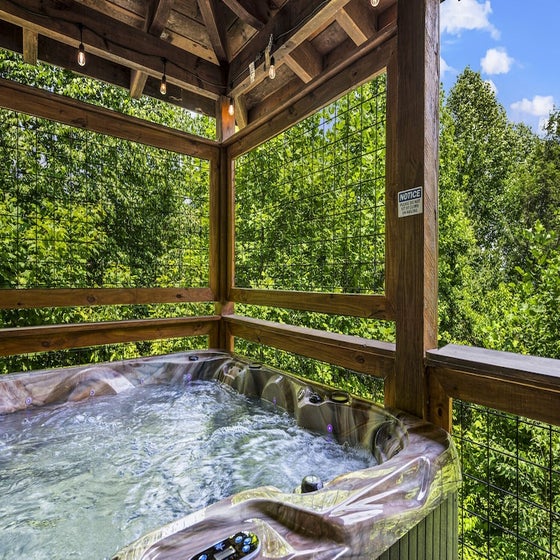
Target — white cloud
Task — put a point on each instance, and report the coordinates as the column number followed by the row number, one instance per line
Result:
column 496, row 61
column 539, row 106
column 467, row 15
column 444, row 68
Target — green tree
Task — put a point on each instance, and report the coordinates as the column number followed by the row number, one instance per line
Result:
column 490, row 149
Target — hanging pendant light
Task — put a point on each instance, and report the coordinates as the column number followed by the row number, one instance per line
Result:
column 163, row 83
column 81, row 49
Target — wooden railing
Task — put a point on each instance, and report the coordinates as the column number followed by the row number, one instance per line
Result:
column 22, row 340
column 522, row 385
column 358, row 354
column 354, row 305
column 75, row 297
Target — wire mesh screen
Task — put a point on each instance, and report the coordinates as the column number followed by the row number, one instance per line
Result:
column 310, row 203
column 360, row 384
column 79, row 209
column 510, row 499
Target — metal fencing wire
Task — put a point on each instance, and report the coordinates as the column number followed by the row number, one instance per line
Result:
column 509, row 505
column 310, row 203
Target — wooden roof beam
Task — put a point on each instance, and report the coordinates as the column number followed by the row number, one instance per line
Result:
column 240, row 111
column 208, row 9
column 138, row 80
column 289, row 27
column 305, row 62
column 358, row 21
column 158, row 17
column 129, row 47
column 249, row 11
column 30, row 46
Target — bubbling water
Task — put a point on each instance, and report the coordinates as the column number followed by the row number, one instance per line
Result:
column 81, row 480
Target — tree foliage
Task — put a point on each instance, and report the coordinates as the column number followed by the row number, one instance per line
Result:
column 499, row 223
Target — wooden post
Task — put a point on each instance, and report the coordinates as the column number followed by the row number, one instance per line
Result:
column 221, row 228
column 221, row 218
column 413, row 164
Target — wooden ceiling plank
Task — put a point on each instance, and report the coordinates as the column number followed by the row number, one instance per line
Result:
column 358, row 21
column 237, row 36
column 305, row 62
column 190, row 35
column 249, row 11
column 132, row 14
column 124, row 45
column 30, row 46
column 215, row 32
column 290, row 26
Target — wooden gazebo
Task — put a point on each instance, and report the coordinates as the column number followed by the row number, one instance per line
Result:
column 216, row 54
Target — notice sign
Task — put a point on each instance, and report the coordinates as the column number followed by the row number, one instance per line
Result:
column 411, row 202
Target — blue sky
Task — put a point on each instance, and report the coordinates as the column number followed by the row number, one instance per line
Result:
column 514, row 44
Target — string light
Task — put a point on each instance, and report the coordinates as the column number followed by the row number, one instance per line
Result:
column 231, row 108
column 374, row 3
column 163, row 84
column 81, row 49
column 272, row 69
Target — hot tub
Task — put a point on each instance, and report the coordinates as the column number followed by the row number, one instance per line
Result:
column 404, row 507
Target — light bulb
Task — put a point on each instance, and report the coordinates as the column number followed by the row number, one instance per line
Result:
column 272, row 69
column 81, row 55
column 231, row 108
column 163, row 83
column 374, row 3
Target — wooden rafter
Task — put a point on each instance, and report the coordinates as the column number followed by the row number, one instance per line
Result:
column 30, row 46
column 305, row 62
column 158, row 16
column 155, row 21
column 249, row 11
column 138, row 81
column 289, row 27
column 358, row 21
column 346, row 56
column 208, row 10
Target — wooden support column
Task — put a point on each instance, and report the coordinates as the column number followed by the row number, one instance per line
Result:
column 221, row 217
column 413, row 163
